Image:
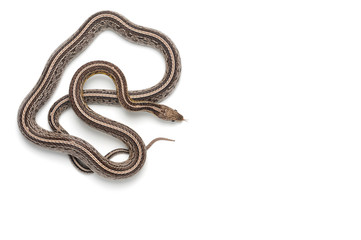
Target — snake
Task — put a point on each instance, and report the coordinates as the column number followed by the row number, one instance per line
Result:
column 136, row 100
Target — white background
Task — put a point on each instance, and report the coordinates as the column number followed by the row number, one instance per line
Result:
column 271, row 149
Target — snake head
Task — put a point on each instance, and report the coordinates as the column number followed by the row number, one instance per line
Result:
column 167, row 113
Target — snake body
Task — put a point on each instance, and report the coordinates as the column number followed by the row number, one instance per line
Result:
column 137, row 100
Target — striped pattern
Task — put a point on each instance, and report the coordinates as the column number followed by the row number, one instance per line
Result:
column 82, row 150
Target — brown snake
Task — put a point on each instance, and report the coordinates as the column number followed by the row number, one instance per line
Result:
column 140, row 100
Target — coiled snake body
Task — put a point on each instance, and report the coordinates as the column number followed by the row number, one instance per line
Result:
column 141, row 100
